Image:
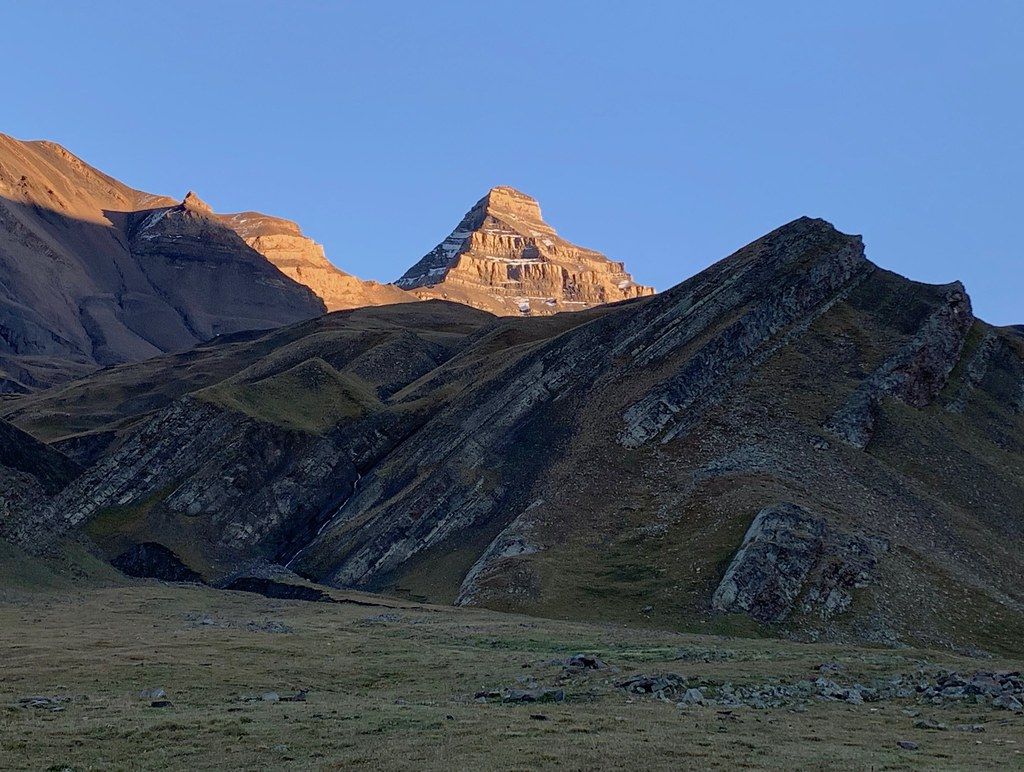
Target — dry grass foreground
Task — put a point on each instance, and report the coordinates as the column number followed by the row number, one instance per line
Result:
column 392, row 686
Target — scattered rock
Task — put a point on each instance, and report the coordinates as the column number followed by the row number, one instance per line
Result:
column 908, row 745
column 160, row 704
column 152, row 694
column 703, row 655
column 1008, row 702
column 929, row 723
column 691, row 697
column 538, row 717
column 999, row 690
column 51, row 704
column 270, row 697
column 533, row 695
column 379, row 620
column 270, row 626
column 664, row 687
column 585, row 662
column 198, row 619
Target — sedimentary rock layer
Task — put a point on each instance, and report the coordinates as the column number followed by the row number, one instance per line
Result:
column 505, row 259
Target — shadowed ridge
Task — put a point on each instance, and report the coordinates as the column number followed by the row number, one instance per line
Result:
column 23, row 452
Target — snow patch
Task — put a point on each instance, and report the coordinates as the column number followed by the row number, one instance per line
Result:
column 152, row 220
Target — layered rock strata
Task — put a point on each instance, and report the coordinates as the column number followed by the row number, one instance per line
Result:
column 503, row 258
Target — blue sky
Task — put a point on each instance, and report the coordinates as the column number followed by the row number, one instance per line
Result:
column 666, row 134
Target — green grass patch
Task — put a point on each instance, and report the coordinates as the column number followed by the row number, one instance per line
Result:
column 112, row 523
column 311, row 396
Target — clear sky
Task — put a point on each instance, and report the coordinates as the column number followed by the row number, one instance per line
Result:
column 665, row 134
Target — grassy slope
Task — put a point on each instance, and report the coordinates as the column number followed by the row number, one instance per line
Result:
column 393, row 688
column 311, row 396
column 69, row 565
column 114, row 398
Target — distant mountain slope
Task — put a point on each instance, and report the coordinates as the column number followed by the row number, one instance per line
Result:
column 505, row 259
column 94, row 273
column 302, row 259
column 794, row 442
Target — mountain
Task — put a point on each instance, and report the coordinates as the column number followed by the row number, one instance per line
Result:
column 302, row 260
column 505, row 259
column 94, row 273
column 792, row 442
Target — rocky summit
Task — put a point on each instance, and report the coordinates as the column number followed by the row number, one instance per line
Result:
column 792, row 443
column 503, row 258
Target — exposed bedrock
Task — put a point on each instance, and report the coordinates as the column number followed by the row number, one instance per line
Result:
column 30, row 473
column 503, row 257
column 786, row 280
column 792, row 560
column 253, row 487
column 154, row 561
column 914, row 375
column 514, row 541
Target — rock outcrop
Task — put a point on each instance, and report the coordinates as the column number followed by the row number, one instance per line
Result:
column 254, row 464
column 250, row 485
column 788, row 555
column 30, row 472
column 914, row 375
column 505, row 259
column 794, row 278
column 154, row 561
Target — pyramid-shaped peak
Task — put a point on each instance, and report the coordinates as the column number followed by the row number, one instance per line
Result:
column 193, row 203
column 502, row 257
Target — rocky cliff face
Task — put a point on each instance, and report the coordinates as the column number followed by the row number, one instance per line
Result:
column 915, row 374
column 674, row 461
column 505, row 259
column 302, row 259
column 627, row 458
